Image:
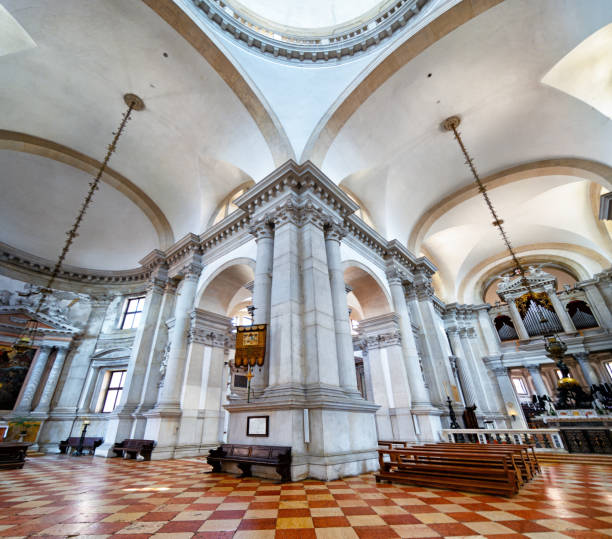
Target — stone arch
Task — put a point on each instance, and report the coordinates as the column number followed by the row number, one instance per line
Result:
column 224, row 291
column 579, row 168
column 369, row 296
column 22, row 142
column 474, row 281
column 232, row 73
column 357, row 93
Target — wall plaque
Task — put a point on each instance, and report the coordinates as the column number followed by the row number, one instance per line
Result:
column 258, row 425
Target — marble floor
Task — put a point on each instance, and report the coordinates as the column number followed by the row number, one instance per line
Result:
column 60, row 496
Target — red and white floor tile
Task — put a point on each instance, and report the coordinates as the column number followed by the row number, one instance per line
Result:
column 59, row 496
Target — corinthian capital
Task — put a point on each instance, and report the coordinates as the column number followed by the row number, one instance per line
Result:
column 289, row 212
column 261, row 228
column 395, row 275
column 311, row 214
column 335, row 231
column 192, row 271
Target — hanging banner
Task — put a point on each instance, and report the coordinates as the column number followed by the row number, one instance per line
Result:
column 250, row 345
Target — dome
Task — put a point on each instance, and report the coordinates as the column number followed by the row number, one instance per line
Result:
column 315, row 31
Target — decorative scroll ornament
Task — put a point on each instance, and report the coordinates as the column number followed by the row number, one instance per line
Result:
column 250, row 345
column 540, row 298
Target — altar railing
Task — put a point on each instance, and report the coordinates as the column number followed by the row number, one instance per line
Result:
column 543, row 439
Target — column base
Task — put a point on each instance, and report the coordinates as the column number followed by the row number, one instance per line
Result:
column 427, row 422
column 330, row 436
column 162, row 426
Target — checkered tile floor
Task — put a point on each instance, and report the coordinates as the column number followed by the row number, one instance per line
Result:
column 62, row 496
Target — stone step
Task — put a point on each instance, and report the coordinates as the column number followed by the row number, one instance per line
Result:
column 575, row 458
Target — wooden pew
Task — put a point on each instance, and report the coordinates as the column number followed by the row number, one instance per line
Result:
column 390, row 444
column 13, row 454
column 521, row 459
column 461, row 470
column 131, row 448
column 89, row 444
column 527, row 450
column 247, row 455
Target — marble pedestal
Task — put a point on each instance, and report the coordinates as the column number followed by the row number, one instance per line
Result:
column 337, row 439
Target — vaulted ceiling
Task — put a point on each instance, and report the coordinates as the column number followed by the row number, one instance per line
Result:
column 219, row 115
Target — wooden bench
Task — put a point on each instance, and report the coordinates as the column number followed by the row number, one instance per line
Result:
column 89, row 444
column 519, row 459
column 527, row 451
column 485, row 473
column 247, row 455
column 13, row 454
column 390, row 444
column 131, row 448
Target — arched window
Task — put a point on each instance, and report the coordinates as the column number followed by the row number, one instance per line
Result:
column 581, row 315
column 505, row 328
column 227, row 206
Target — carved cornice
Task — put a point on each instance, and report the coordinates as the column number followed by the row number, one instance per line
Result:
column 333, row 45
column 27, row 262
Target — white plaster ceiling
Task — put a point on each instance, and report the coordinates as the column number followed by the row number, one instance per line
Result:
column 393, row 155
column 196, row 142
column 40, row 200
column 547, row 210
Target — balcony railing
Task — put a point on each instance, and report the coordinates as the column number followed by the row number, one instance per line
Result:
column 543, row 439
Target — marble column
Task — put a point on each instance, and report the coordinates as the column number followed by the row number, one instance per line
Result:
column 510, row 399
column 121, row 420
column 163, row 420
column 173, row 380
column 388, row 378
column 590, row 374
column 344, row 340
column 80, row 358
column 285, row 346
column 418, row 390
column 46, row 396
column 465, row 376
column 262, row 288
column 441, row 375
column 153, row 375
column 598, row 305
column 536, row 378
column 321, row 360
column 562, row 314
column 519, row 326
column 37, row 369
column 477, row 376
column 491, row 338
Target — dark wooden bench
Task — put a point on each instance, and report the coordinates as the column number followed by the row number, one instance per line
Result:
column 13, row 454
column 89, row 444
column 247, row 455
column 486, row 473
column 131, row 448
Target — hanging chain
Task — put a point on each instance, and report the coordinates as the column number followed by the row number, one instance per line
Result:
column 451, row 124
column 134, row 103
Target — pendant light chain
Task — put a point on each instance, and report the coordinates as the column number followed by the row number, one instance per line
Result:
column 134, row 103
column 451, row 124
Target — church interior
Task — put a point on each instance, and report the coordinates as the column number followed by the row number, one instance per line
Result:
column 331, row 269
